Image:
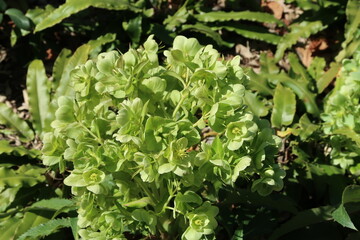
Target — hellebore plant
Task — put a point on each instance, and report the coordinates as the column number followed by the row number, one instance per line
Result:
column 132, row 135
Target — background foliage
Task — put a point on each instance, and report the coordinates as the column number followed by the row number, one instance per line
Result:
column 303, row 71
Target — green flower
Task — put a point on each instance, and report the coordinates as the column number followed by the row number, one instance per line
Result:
column 270, row 180
column 93, row 177
column 202, row 222
column 240, row 131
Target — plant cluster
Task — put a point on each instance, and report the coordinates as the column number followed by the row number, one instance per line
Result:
column 133, row 132
column 177, row 141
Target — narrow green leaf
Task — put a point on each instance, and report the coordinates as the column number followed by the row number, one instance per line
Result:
column 268, row 64
column 177, row 19
column 74, row 228
column 351, row 30
column 328, row 77
column 74, row 6
column 259, row 83
column 11, row 120
column 220, row 16
column 298, row 68
column 9, row 228
column 19, row 18
column 302, row 30
column 6, row 148
column 79, row 57
column 95, row 45
column 39, row 97
column 208, row 31
column 134, row 29
column 252, row 32
column 22, row 176
column 59, row 65
column 29, row 220
column 46, row 229
column 303, row 219
column 341, row 216
column 284, row 107
column 351, row 194
column 53, row 203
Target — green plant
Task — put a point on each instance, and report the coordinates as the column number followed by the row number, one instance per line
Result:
column 24, row 181
column 131, row 139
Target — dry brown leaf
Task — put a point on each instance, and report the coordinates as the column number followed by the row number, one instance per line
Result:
column 276, row 8
column 305, row 55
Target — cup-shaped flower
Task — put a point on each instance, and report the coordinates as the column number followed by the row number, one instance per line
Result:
column 93, row 176
column 199, row 222
column 202, row 222
column 240, row 131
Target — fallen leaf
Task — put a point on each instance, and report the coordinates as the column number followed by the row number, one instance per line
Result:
column 276, row 8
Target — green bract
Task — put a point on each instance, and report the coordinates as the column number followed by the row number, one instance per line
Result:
column 133, row 138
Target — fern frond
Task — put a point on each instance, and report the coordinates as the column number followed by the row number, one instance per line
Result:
column 252, row 32
column 302, row 30
column 46, row 229
column 208, row 31
column 236, row 16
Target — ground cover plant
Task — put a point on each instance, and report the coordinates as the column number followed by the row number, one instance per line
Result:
column 173, row 139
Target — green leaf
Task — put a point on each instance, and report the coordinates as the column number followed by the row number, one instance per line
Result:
column 351, row 30
column 5, row 147
column 11, row 120
column 252, row 32
column 284, row 107
column 302, row 30
column 53, row 203
column 74, row 6
column 243, row 163
column 3, row 5
column 39, row 98
column 307, row 127
column 324, row 81
column 95, row 45
column 259, row 83
column 59, row 65
column 27, row 175
column 9, row 228
column 134, row 29
column 341, row 216
column 351, row 194
column 350, row 133
column 177, row 19
column 298, row 68
column 29, row 221
column 220, row 16
column 19, row 18
column 74, row 228
column 46, row 229
column 208, row 31
column 256, row 106
column 79, row 57
column 303, row 219
column 7, row 197
column 300, row 89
